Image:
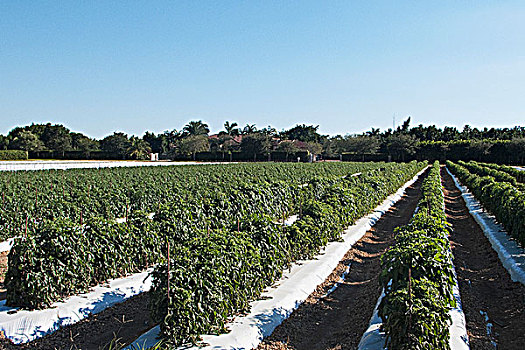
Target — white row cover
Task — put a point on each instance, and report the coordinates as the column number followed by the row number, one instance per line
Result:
column 23, row 326
column 512, row 256
column 374, row 339
column 246, row 332
column 87, row 164
column 5, row 246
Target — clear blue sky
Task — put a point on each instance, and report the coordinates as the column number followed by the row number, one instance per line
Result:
column 103, row 66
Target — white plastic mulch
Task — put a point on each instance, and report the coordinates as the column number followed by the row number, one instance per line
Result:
column 5, row 246
column 246, row 332
column 374, row 339
column 23, row 326
column 13, row 165
column 512, row 256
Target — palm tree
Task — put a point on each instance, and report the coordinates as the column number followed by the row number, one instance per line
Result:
column 196, row 128
column 138, row 148
column 231, row 129
column 249, row 129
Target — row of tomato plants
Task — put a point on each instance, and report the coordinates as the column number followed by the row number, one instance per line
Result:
column 498, row 174
column 214, row 274
column 28, row 198
column 417, row 276
column 502, row 199
column 518, row 174
column 62, row 257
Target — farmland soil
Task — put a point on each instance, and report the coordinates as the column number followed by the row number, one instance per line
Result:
column 339, row 320
column 484, row 283
column 3, row 270
column 120, row 323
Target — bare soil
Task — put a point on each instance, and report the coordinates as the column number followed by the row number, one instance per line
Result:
column 484, row 283
column 3, row 270
column 120, row 323
column 339, row 320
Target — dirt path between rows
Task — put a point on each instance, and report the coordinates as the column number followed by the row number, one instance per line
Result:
column 3, row 271
column 121, row 323
column 339, row 320
column 483, row 281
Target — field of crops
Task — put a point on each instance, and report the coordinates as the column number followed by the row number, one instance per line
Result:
column 214, row 236
column 217, row 222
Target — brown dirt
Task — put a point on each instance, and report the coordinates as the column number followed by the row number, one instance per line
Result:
column 3, row 270
column 339, row 320
column 123, row 322
column 483, row 281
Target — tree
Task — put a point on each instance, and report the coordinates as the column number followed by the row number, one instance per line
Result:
column 255, row 144
column 516, row 147
column 194, row 143
column 138, row 148
column 314, row 148
column 56, row 137
column 170, row 141
column 27, row 141
column 406, row 125
column 288, row 147
column 81, row 142
column 269, row 131
column 401, row 145
column 305, row 133
column 116, row 144
column 4, row 142
column 232, row 129
column 479, row 149
column 194, row 128
column 362, row 145
column 154, row 141
column 249, row 129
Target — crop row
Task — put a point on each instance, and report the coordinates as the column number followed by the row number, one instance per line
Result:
column 417, row 276
column 214, row 274
column 498, row 175
column 502, row 199
column 28, row 198
column 63, row 257
column 518, row 174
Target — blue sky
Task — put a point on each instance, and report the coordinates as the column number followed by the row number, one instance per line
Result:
column 104, row 66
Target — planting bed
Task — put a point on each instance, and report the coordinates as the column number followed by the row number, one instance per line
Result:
column 485, row 285
column 325, row 193
column 339, row 320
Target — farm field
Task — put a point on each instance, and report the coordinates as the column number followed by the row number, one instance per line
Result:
column 14, row 165
column 215, row 237
column 203, row 206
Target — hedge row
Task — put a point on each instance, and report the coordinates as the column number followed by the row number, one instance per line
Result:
column 417, row 276
column 503, row 200
column 214, row 274
column 13, row 155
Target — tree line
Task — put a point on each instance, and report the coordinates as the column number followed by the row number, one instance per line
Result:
column 193, row 141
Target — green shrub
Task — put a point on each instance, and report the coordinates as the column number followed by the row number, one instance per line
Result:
column 13, row 155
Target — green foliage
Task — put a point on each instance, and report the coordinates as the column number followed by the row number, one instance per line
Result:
column 417, row 276
column 71, row 215
column 215, row 271
column 13, row 155
column 64, row 258
column 517, row 174
column 502, row 199
column 417, row 317
column 500, row 176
